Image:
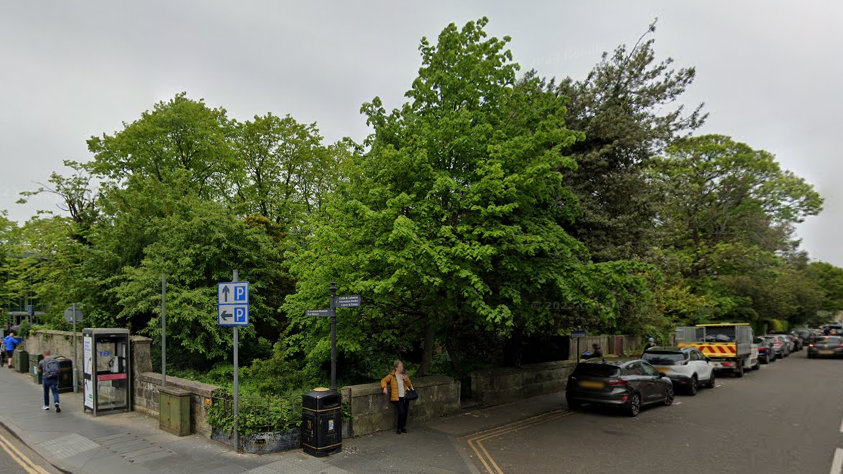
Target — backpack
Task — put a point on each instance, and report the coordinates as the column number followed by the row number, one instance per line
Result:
column 51, row 368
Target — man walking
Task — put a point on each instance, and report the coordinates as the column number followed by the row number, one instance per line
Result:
column 49, row 370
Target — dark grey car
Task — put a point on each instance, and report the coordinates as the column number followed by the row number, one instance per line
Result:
column 826, row 346
column 626, row 385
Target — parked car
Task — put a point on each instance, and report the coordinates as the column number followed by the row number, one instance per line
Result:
column 826, row 346
column 626, row 385
column 766, row 353
column 804, row 334
column 686, row 367
column 779, row 346
column 796, row 341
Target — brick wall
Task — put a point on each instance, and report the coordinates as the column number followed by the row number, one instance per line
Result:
column 371, row 410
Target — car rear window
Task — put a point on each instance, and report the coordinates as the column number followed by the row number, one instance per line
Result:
column 597, row 370
column 664, row 358
column 831, row 340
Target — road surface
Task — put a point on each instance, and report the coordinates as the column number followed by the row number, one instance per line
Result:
column 17, row 458
column 784, row 419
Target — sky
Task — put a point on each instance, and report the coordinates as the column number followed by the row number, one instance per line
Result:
column 767, row 71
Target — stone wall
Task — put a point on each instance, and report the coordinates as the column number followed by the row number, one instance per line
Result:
column 507, row 384
column 60, row 343
column 371, row 410
column 146, row 398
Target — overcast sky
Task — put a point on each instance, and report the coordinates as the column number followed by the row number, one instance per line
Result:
column 768, row 70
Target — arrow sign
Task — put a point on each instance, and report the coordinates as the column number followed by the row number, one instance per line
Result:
column 352, row 301
column 233, row 314
column 318, row 312
column 233, row 293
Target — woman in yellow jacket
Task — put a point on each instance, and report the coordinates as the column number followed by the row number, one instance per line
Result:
column 399, row 383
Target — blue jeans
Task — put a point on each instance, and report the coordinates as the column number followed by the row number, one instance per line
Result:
column 51, row 384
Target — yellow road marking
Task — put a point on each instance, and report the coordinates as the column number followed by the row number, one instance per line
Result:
column 476, row 442
column 20, row 458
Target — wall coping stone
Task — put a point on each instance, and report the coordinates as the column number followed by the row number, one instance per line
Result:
column 198, row 388
column 374, row 388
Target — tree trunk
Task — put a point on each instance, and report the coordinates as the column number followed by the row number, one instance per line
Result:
column 455, row 359
column 427, row 355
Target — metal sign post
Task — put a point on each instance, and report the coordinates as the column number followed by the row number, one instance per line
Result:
column 233, row 310
column 578, row 335
column 73, row 315
column 163, row 330
column 352, row 301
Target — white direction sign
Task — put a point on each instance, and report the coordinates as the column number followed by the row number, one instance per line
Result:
column 233, row 303
column 233, row 293
column 233, row 314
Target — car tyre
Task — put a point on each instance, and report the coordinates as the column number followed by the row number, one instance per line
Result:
column 574, row 404
column 669, row 395
column 633, row 406
column 739, row 372
column 765, row 361
column 693, row 387
column 711, row 382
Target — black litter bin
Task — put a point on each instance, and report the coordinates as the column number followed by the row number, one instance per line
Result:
column 321, row 431
column 65, row 374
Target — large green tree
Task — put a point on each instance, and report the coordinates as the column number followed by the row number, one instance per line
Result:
column 628, row 108
column 450, row 224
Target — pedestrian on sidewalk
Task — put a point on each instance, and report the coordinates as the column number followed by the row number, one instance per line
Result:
column 10, row 342
column 651, row 343
column 399, row 383
column 49, row 369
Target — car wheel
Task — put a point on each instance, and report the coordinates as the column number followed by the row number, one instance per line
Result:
column 765, row 361
column 711, row 382
column 574, row 404
column 693, row 386
column 668, row 395
column 739, row 371
column 810, row 356
column 633, row 406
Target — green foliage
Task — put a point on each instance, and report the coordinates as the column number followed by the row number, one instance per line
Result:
column 256, row 415
column 450, row 222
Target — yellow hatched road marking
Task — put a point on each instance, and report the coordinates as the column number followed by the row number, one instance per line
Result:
column 20, row 458
column 476, row 442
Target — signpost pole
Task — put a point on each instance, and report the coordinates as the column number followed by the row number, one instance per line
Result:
column 236, row 378
column 578, row 350
column 75, row 358
column 333, row 335
column 163, row 330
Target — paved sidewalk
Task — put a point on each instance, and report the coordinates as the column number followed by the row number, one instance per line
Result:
column 131, row 443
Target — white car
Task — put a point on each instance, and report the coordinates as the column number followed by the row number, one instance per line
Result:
column 687, row 367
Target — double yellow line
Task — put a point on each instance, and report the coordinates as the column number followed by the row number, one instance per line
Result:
column 20, row 458
column 476, row 442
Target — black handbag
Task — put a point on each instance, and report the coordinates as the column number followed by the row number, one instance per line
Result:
column 410, row 395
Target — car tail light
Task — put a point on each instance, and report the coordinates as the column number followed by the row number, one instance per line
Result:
column 840, row 346
column 810, row 345
column 728, row 364
column 617, row 382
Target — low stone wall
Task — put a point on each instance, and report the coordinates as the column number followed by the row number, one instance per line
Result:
column 60, row 343
column 146, row 398
column 371, row 410
column 507, row 384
